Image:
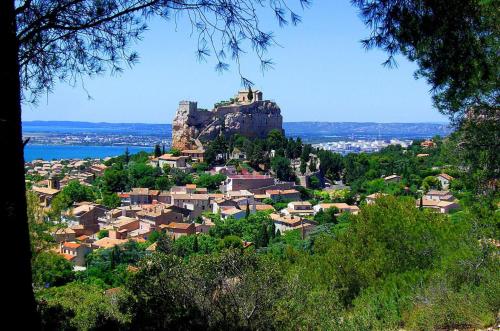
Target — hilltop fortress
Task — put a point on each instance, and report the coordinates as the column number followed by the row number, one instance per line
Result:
column 250, row 118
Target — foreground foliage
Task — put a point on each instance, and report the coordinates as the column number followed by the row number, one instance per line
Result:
column 392, row 265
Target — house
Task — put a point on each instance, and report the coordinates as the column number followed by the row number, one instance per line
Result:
column 172, row 161
column 243, row 198
column 283, row 195
column 107, row 242
column 223, row 203
column 445, row 180
column 151, row 217
column 237, row 154
column 438, row 195
column 87, row 214
column 74, row 252
column 242, row 96
column 283, row 223
column 342, row 207
column 177, row 230
column 98, row 169
column 189, row 188
column 301, row 208
column 142, row 195
column 444, row 207
column 372, row 198
column 195, row 202
column 124, row 198
column 196, row 155
column 225, row 170
column 65, row 234
column 392, row 179
column 263, row 207
column 139, row 195
column 232, row 212
column 205, row 226
column 246, row 182
column 45, row 194
column 122, row 226
column 428, row 144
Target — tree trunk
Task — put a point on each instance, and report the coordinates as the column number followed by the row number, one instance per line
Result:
column 16, row 259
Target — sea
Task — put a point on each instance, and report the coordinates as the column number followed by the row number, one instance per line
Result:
column 51, row 152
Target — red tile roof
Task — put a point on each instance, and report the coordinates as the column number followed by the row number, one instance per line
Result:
column 71, row 245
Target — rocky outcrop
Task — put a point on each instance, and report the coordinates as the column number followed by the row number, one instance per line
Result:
column 192, row 126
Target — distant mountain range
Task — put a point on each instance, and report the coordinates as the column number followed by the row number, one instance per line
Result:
column 370, row 128
column 311, row 131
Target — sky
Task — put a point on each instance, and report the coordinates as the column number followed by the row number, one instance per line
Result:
column 321, row 73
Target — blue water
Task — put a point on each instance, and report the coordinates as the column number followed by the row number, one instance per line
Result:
column 49, row 152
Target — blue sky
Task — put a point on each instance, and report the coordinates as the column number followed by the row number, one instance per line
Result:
column 321, row 73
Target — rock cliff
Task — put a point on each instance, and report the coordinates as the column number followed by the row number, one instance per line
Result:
column 192, row 126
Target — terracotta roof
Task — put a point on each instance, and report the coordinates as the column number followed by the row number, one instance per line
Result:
column 445, row 176
column 197, row 151
column 376, row 195
column 300, row 203
column 139, row 191
column 187, row 196
column 71, row 245
column 249, row 177
column 231, row 211
column 107, row 242
column 170, row 157
column 65, row 231
column 263, row 207
column 437, row 192
column 180, row 226
column 45, row 190
column 67, row 256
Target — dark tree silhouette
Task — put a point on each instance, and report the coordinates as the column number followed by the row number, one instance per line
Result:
column 456, row 45
column 250, row 94
column 157, row 151
column 66, row 40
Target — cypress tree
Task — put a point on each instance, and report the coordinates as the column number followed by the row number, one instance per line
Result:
column 250, row 94
column 247, row 211
column 157, row 150
column 127, row 156
column 196, row 246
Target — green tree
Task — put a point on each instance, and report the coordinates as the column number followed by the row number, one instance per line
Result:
column 455, row 45
column 51, row 269
column 209, row 181
column 115, row 180
column 70, row 40
column 111, row 200
column 67, row 307
column 102, row 234
column 282, row 168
